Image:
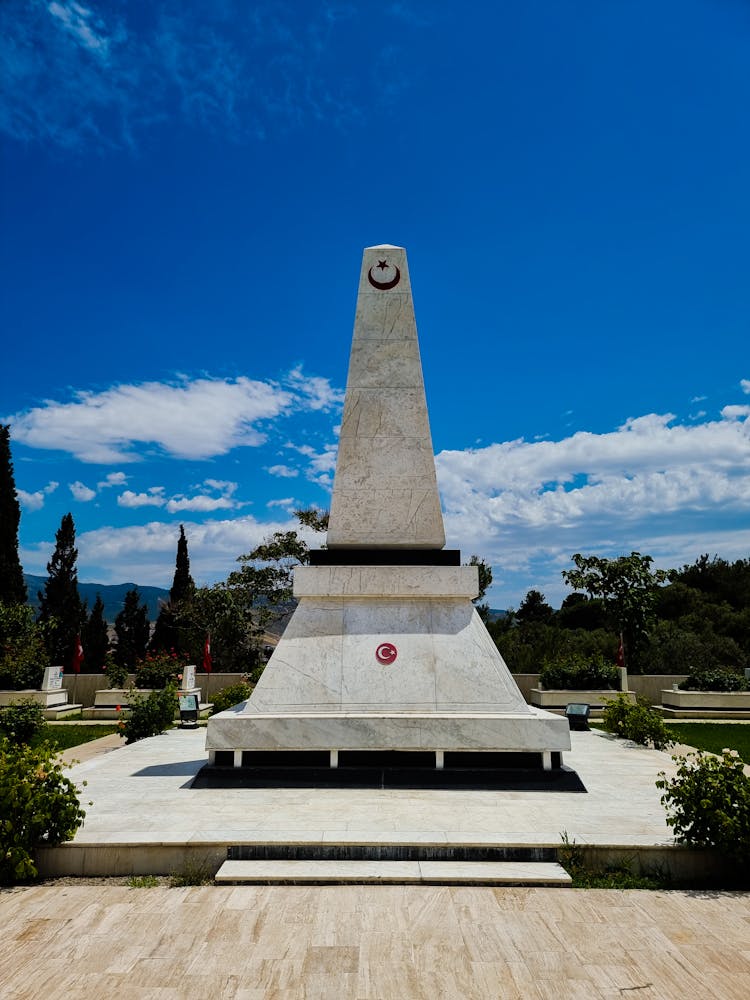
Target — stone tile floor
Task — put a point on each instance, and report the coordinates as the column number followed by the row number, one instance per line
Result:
column 371, row 943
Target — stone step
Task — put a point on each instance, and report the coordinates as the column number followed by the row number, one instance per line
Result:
column 400, row 872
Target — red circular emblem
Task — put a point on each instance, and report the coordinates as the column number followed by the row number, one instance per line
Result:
column 386, row 653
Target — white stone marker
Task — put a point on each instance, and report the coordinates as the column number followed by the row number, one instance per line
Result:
column 385, row 650
column 385, row 491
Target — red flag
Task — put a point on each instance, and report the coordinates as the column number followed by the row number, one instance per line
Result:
column 207, row 654
column 621, row 654
column 78, row 655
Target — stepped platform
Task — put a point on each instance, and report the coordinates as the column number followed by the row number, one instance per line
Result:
column 147, row 816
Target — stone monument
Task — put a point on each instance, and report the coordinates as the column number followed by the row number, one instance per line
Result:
column 385, row 650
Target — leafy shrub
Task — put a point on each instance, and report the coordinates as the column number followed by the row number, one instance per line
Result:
column 158, row 670
column 573, row 673
column 116, row 673
column 714, row 680
column 638, row 722
column 39, row 807
column 708, row 802
column 233, row 694
column 23, row 654
column 149, row 714
column 22, row 720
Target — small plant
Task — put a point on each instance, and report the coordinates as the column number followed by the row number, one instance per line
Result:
column 116, row 674
column 193, row 873
column 39, row 807
column 143, row 881
column 22, row 720
column 576, row 673
column 231, row 695
column 714, row 679
column 23, row 653
column 639, row 723
column 708, row 802
column 158, row 670
column 149, row 714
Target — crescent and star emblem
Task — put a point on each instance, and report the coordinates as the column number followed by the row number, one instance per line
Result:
column 383, row 265
column 386, row 653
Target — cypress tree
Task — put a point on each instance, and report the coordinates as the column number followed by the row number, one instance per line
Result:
column 167, row 634
column 132, row 631
column 182, row 584
column 95, row 638
column 12, row 587
column 60, row 604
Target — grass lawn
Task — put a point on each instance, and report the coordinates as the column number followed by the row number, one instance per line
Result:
column 63, row 737
column 713, row 736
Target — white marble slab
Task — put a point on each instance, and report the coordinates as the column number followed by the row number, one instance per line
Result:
column 386, row 581
column 532, row 732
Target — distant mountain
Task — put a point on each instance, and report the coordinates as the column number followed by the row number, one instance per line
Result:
column 113, row 595
column 496, row 613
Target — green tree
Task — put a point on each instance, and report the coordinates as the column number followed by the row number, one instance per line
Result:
column 60, row 605
column 628, row 588
column 168, row 631
column 534, row 608
column 132, row 631
column 95, row 638
column 485, row 579
column 12, row 587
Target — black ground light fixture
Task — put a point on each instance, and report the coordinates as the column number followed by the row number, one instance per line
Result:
column 189, row 711
column 577, row 714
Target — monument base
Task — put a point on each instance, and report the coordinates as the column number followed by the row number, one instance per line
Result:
column 535, row 732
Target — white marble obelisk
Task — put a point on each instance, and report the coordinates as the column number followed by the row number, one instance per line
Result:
column 385, row 650
column 385, row 491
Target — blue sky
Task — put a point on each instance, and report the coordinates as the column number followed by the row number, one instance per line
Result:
column 186, row 192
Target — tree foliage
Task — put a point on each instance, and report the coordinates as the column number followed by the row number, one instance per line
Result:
column 627, row 587
column 60, row 605
column 534, row 608
column 23, row 650
column 12, row 587
column 169, row 630
column 132, row 631
column 95, row 638
column 485, row 580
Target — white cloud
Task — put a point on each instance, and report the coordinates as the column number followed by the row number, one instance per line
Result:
column 745, row 384
column 112, row 479
column 283, row 471
column 35, row 501
column 200, row 503
column 527, row 507
column 153, row 498
column 288, row 504
column 82, row 25
column 81, row 492
column 196, row 419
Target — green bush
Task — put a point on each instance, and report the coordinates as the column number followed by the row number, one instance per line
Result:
column 23, row 653
column 39, row 807
column 149, row 714
column 231, row 695
column 714, row 680
column 116, row 674
column 638, row 722
column 158, row 670
column 708, row 802
column 574, row 673
column 22, row 720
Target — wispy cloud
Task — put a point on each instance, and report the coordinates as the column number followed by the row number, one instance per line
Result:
column 89, row 72
column 282, row 471
column 196, row 419
column 35, row 501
